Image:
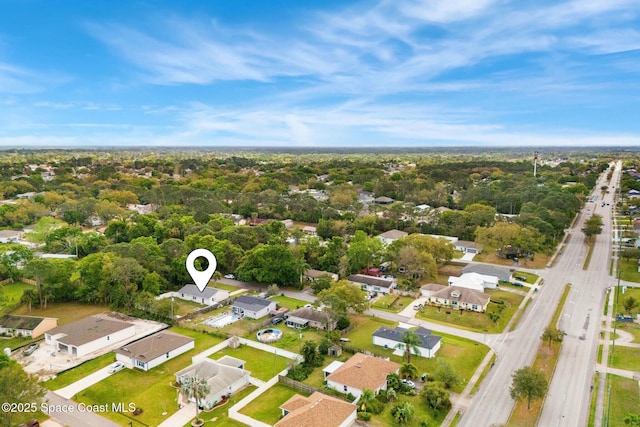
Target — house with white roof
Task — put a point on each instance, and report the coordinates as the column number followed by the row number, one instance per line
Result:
column 475, row 281
column 209, row 296
column 391, row 236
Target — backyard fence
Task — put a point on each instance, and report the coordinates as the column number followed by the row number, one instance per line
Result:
column 297, row 385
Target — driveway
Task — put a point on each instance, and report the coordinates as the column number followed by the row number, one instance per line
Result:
column 72, row 389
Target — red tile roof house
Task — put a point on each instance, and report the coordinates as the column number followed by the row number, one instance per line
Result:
column 358, row 373
column 317, row 410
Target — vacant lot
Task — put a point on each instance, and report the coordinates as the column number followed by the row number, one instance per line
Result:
column 150, row 390
column 290, row 303
column 65, row 378
column 629, row 270
column 66, row 312
column 624, row 399
column 12, row 293
column 625, row 358
column 392, row 303
column 621, row 297
column 489, row 255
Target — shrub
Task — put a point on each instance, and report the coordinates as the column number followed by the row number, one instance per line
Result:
column 343, row 323
column 364, row 416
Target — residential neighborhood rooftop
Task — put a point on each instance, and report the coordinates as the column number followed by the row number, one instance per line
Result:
column 364, row 372
column 251, row 303
column 88, row 329
column 427, row 340
column 490, row 270
column 207, row 293
column 370, row 280
column 12, row 321
column 150, row 347
column 468, row 295
column 317, row 410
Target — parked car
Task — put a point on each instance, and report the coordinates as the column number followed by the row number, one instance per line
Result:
column 276, row 320
column 524, row 279
column 518, row 284
column 409, row 383
column 418, row 306
column 118, row 366
column 32, row 423
column 229, row 276
column 29, row 350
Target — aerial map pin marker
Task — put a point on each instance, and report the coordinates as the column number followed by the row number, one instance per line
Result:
column 201, row 278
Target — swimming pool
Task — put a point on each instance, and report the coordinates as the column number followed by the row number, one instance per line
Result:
column 269, row 335
column 222, row 320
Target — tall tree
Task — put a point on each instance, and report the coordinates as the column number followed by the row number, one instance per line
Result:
column 17, row 387
column 195, row 388
column 629, row 304
column 410, row 342
column 528, row 383
column 592, row 226
column 552, row 335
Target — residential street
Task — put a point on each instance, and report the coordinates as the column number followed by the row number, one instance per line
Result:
column 569, row 392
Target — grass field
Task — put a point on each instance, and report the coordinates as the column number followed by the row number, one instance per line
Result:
column 632, row 328
column 12, row 293
column 629, row 270
column 627, row 358
column 266, row 408
column 624, row 399
column 619, row 303
column 262, row 365
column 531, row 278
column 150, row 390
column 226, row 287
column 392, row 303
column 219, row 416
column 479, row 322
column 291, row 338
column 69, row 377
column 182, row 307
column 290, row 303
column 66, row 312
column 422, row 414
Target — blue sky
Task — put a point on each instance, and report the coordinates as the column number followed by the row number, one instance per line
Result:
column 320, row 73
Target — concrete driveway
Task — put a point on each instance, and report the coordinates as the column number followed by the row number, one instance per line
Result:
column 72, row 389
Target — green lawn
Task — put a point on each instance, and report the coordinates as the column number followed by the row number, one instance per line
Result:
column 262, row 365
column 625, row 358
column 422, row 413
column 69, row 377
column 392, row 303
column 12, row 293
column 625, row 399
column 632, row 328
column 629, row 270
column 266, row 408
column 219, row 416
column 150, row 390
column 531, row 278
column 619, row 306
column 464, row 356
column 291, row 338
column 182, row 307
column 479, row 322
column 226, row 287
column 290, row 303
column 66, row 312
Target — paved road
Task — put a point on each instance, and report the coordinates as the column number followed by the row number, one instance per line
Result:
column 569, row 396
column 492, row 403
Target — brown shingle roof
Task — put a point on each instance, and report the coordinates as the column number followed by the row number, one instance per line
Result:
column 468, row 296
column 153, row 346
column 317, row 410
column 364, row 372
column 88, row 329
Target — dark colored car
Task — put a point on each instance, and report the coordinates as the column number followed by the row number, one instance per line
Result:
column 524, row 279
column 32, row 423
column 276, row 320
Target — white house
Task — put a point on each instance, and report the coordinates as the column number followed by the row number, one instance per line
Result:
column 154, row 350
column 373, row 284
column 209, row 296
column 310, row 230
column 475, row 281
column 391, row 236
column 253, row 307
column 467, row 247
column 224, row 377
column 26, row 326
column 460, row 299
column 358, row 373
column 87, row 335
column 393, row 339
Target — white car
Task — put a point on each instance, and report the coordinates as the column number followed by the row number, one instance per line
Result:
column 417, row 306
column 229, row 276
column 409, row 383
column 118, row 366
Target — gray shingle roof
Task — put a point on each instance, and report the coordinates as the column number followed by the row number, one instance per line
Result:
column 20, row 322
column 193, row 290
column 370, row 280
column 150, row 347
column 427, row 340
column 247, row 302
column 489, row 270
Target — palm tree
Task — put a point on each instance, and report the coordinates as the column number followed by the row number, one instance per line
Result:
column 408, row 370
column 410, row 341
column 195, row 388
column 365, row 399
